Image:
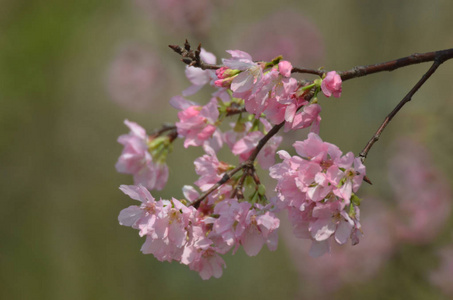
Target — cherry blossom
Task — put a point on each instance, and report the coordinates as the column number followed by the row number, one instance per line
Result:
column 137, row 160
column 331, row 84
column 316, row 188
column 196, row 123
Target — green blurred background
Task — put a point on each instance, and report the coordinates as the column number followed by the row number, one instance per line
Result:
column 59, row 234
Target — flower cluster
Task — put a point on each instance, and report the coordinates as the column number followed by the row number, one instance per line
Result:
column 148, row 169
column 317, row 189
column 269, row 89
column 232, row 210
column 176, row 232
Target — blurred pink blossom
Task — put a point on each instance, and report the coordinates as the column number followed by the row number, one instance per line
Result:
column 136, row 78
column 286, row 33
column 443, row 275
column 421, row 191
column 190, row 16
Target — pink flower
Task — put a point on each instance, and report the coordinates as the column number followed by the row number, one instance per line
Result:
column 331, row 84
column 136, row 216
column 245, row 146
column 196, row 123
column 201, row 257
column 210, row 170
column 316, row 189
column 230, row 224
column 136, row 159
column 261, row 229
column 285, row 67
column 309, row 116
column 251, row 71
column 164, row 223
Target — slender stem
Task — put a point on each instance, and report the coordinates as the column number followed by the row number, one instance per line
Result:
column 248, row 164
column 192, row 58
column 227, row 176
column 264, row 140
column 237, row 192
column 363, row 154
column 308, row 71
column 165, row 127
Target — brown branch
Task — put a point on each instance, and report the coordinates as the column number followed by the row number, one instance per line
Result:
column 413, row 59
column 237, row 192
column 164, row 128
column 192, row 57
column 234, row 110
column 264, row 140
column 363, row 154
column 308, row 71
column 227, row 176
column 248, row 164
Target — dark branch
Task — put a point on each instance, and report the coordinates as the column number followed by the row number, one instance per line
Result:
column 192, row 57
column 227, row 176
column 308, row 71
column 413, row 59
column 164, row 128
column 363, row 154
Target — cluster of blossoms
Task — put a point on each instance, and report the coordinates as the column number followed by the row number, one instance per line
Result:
column 317, row 188
column 232, row 209
column 180, row 232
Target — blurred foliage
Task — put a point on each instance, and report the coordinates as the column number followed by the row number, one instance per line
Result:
column 60, row 238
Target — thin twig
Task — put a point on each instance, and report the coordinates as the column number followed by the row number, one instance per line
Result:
column 234, row 110
column 363, row 154
column 227, row 176
column 308, row 71
column 164, row 128
column 192, row 57
column 237, row 192
column 264, row 140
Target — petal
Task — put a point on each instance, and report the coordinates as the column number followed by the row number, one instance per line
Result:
column 322, row 229
column 343, row 232
column 136, row 129
column 252, row 241
column 190, row 193
column 285, row 67
column 129, row 216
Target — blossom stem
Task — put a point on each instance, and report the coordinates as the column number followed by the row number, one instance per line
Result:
column 363, row 154
column 227, row 176
column 165, row 127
